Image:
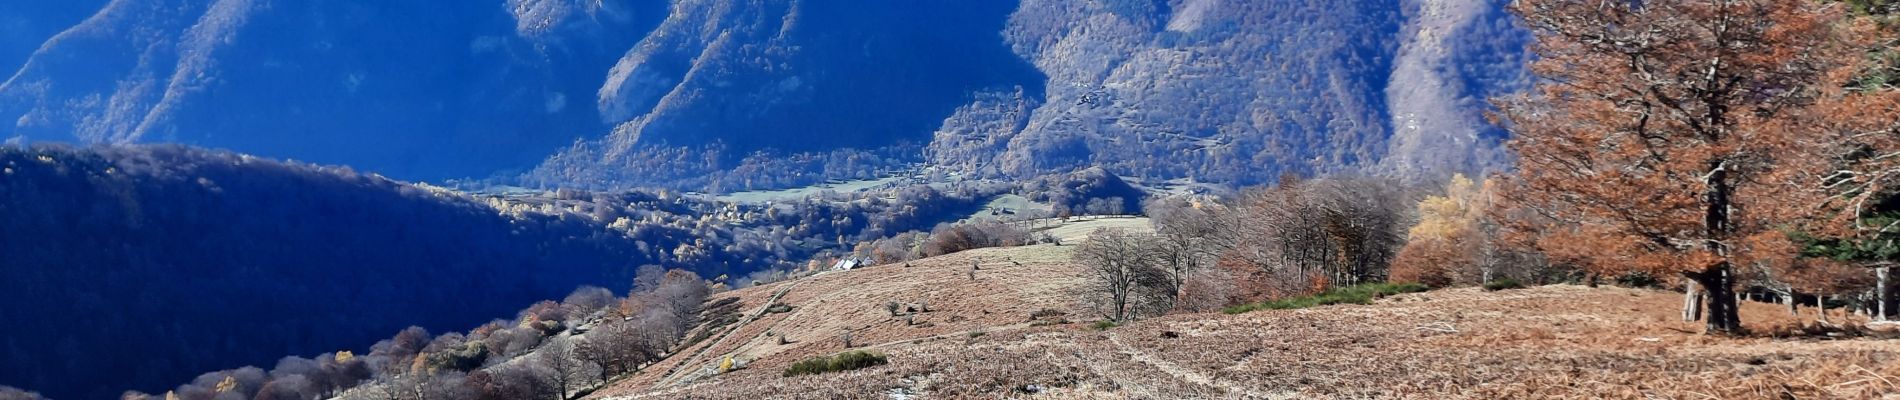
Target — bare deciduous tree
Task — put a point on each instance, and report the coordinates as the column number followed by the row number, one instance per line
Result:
column 1306, row 235
column 1125, row 275
column 618, row 347
column 1192, row 235
column 571, row 371
column 514, row 381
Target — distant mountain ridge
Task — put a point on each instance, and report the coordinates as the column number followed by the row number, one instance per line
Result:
column 611, row 94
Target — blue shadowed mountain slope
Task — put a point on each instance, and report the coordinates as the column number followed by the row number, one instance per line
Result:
column 24, row 25
column 630, row 93
column 415, row 89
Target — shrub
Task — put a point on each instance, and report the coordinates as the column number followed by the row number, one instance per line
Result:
column 466, row 357
column 1430, row 261
column 1358, row 294
column 952, row 238
column 1502, row 284
column 845, row 361
column 778, row 308
column 1640, row 280
column 1047, row 313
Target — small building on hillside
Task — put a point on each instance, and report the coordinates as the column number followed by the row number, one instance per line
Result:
column 850, row 263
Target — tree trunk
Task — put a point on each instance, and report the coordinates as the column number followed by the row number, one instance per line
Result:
column 1724, row 314
column 1794, row 306
column 1691, row 302
column 1885, row 296
column 1820, row 309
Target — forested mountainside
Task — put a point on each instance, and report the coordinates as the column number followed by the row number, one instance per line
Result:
column 415, row 89
column 1221, row 91
column 145, row 264
column 26, row 24
column 625, row 93
column 142, row 265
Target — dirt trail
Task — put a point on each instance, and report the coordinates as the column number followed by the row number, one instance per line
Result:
column 1184, row 374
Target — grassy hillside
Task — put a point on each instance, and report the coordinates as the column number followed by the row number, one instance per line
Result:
column 985, row 338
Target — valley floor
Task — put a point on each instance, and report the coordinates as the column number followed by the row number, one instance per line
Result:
column 977, row 341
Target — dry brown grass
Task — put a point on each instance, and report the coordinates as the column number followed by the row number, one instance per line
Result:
column 1542, row 342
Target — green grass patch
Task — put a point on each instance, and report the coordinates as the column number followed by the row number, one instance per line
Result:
column 845, row 361
column 1104, row 325
column 1502, row 284
column 1359, row 294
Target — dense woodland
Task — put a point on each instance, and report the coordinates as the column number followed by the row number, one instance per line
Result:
column 147, row 262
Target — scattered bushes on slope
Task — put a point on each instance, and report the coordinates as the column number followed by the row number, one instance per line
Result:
column 1359, row 294
column 10, row 393
column 500, row 360
column 846, row 361
column 1502, row 284
column 945, row 239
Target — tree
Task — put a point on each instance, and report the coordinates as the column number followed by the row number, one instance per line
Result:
column 587, row 300
column 293, row 387
column 1191, row 236
column 1304, row 236
column 1455, row 240
column 562, row 359
column 404, row 346
column 340, row 371
column 1445, row 240
column 681, row 294
column 514, row 381
column 648, row 277
column 1124, row 274
column 1665, row 123
column 1854, row 163
column 618, row 347
column 451, row 385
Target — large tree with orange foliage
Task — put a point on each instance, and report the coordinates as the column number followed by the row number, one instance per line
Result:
column 1663, row 126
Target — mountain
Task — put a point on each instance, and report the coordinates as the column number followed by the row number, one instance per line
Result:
column 615, row 94
column 24, row 25
column 140, row 266
column 410, row 88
